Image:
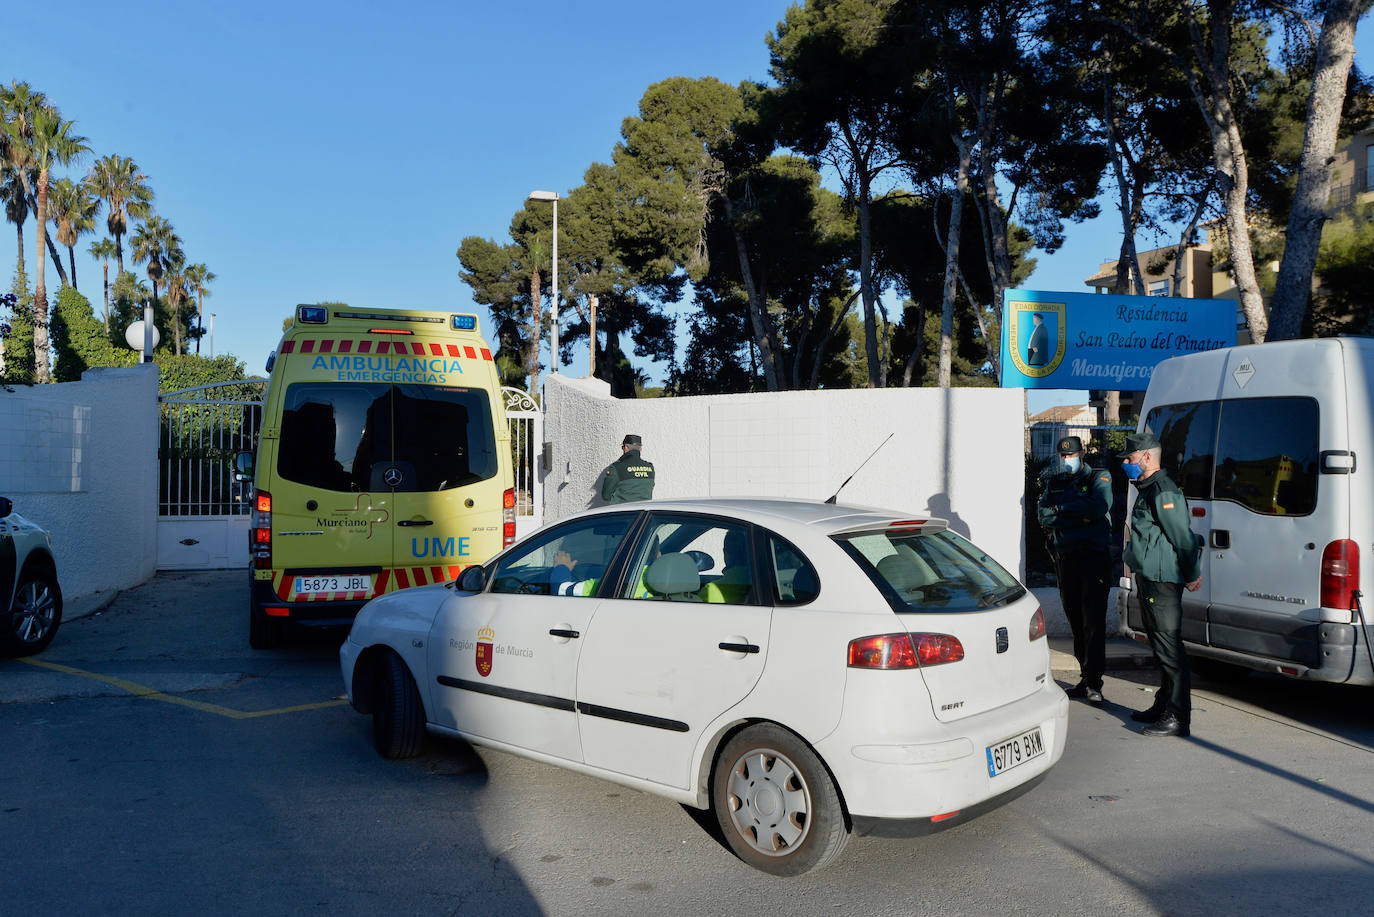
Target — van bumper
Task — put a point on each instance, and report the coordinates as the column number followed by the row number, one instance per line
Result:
column 303, row 614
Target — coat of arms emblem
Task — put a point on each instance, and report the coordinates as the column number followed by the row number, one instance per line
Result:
column 485, row 636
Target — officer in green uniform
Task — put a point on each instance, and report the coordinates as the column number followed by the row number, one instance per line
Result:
column 1164, row 555
column 1075, row 512
column 630, row 477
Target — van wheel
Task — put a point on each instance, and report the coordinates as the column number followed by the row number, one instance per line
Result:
column 776, row 803
column 398, row 716
column 33, row 618
column 263, row 632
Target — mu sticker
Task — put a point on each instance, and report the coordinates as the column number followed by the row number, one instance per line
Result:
column 485, row 636
column 1038, row 337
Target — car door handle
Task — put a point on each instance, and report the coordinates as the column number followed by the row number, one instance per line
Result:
column 416, row 522
column 1221, row 539
column 740, row 647
column 567, row 633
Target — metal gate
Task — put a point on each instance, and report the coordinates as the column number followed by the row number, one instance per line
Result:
column 202, row 515
column 526, row 445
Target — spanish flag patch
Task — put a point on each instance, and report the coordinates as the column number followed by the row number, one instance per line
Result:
column 1167, row 506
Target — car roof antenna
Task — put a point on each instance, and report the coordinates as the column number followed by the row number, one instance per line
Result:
column 860, row 468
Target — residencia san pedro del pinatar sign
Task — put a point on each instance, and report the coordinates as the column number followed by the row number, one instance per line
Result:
column 1099, row 341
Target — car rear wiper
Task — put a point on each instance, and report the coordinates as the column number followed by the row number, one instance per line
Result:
column 989, row 599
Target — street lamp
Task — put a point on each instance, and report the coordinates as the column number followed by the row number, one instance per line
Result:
column 553, row 324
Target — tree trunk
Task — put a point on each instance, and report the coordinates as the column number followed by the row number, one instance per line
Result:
column 877, row 372
column 757, row 312
column 1183, row 240
column 119, row 252
column 19, row 229
column 106, row 265
column 71, row 259
column 1335, row 51
column 56, row 260
column 909, row 369
column 1234, row 173
column 532, row 360
column 200, row 317
column 42, row 372
column 952, row 234
column 591, row 321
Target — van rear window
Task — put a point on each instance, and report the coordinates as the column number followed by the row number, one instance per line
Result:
column 938, row 572
column 347, row 436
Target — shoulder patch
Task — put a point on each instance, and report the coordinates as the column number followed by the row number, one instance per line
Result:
column 1105, row 478
column 1167, row 506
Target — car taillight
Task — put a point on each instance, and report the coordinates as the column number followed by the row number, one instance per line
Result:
column 1340, row 574
column 508, row 526
column 1037, row 624
column 904, row 651
column 260, row 535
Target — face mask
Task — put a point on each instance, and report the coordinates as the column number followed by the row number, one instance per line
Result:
column 1132, row 470
column 1072, row 463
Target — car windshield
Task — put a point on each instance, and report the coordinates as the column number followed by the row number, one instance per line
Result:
column 934, row 572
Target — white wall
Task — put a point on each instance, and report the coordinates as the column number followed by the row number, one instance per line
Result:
column 80, row 459
column 956, row 453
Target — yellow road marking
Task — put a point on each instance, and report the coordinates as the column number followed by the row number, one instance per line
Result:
column 138, row 690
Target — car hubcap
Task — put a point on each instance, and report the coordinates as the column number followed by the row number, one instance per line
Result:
column 33, row 612
column 769, row 801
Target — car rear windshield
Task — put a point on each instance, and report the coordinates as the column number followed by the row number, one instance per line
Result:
column 348, row 435
column 934, row 572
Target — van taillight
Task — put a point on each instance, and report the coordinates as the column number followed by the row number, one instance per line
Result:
column 508, row 516
column 1340, row 574
column 904, row 651
column 260, row 535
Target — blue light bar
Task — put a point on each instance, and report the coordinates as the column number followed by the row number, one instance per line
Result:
column 464, row 323
column 312, row 315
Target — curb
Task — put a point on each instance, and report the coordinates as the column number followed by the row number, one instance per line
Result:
column 83, row 606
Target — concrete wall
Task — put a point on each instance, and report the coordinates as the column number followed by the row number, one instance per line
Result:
column 954, row 453
column 80, row 459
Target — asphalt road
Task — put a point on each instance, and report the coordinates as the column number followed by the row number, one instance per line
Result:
column 155, row 765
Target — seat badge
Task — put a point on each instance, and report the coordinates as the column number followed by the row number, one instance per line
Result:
column 1002, row 641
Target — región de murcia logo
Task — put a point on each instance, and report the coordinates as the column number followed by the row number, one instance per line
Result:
column 485, row 638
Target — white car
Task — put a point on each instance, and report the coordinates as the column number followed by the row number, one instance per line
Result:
column 29, row 594
column 803, row 669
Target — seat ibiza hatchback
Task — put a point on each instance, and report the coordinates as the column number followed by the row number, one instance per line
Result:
column 804, row 670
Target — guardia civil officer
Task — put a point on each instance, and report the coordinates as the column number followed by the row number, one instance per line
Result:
column 1164, row 556
column 630, row 477
column 1075, row 512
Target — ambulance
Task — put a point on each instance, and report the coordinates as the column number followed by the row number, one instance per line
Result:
column 383, row 462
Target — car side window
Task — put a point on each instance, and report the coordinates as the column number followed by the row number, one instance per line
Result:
column 693, row 559
column 570, row 560
column 792, row 576
column 1267, row 455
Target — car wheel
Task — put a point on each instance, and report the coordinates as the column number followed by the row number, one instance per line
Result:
column 776, row 802
column 35, row 614
column 263, row 632
column 398, row 717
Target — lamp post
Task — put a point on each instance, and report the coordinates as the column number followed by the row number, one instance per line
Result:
column 212, row 335
column 553, row 323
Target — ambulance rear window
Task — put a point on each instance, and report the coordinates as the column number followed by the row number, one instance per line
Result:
column 361, row 436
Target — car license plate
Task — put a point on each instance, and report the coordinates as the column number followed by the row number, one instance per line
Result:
column 1015, row 751
column 348, row 582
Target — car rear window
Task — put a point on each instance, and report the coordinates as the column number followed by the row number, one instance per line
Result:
column 934, row 572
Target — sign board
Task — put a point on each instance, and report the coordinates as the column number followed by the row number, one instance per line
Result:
column 1101, row 341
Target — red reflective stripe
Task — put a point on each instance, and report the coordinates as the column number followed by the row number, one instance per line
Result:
column 436, row 574
column 288, row 346
column 327, row 345
column 436, row 350
column 418, row 573
column 402, row 580
column 379, row 587
column 486, row 354
column 345, row 346
column 383, row 346
column 469, row 353
column 417, row 348
column 283, row 586
column 307, row 346
column 453, row 350
column 454, row 571
column 364, row 347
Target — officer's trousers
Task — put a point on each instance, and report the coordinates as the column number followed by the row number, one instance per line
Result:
column 1161, row 606
column 1083, row 591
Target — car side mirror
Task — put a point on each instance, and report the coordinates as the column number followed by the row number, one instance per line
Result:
column 243, row 468
column 472, row 579
column 6, row 507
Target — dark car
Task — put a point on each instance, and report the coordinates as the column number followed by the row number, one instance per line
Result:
column 29, row 594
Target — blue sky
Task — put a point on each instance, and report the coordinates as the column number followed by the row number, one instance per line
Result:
column 339, row 150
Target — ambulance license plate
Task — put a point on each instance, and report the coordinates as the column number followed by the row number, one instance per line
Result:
column 1015, row 751
column 345, row 582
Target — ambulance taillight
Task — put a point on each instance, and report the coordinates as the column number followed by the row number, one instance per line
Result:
column 508, row 528
column 260, row 535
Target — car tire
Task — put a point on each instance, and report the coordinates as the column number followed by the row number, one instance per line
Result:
column 398, row 716
column 263, row 632
column 34, row 617
column 776, row 803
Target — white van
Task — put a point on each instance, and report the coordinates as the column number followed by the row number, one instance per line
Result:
column 1273, row 445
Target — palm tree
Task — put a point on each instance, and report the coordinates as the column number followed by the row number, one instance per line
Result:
column 16, row 205
column 175, row 282
column 103, row 249
column 157, row 243
column 22, row 105
column 72, row 209
column 117, row 181
column 51, row 142
column 199, row 276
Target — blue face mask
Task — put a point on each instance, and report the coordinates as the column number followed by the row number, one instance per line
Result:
column 1071, row 463
column 1132, row 470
